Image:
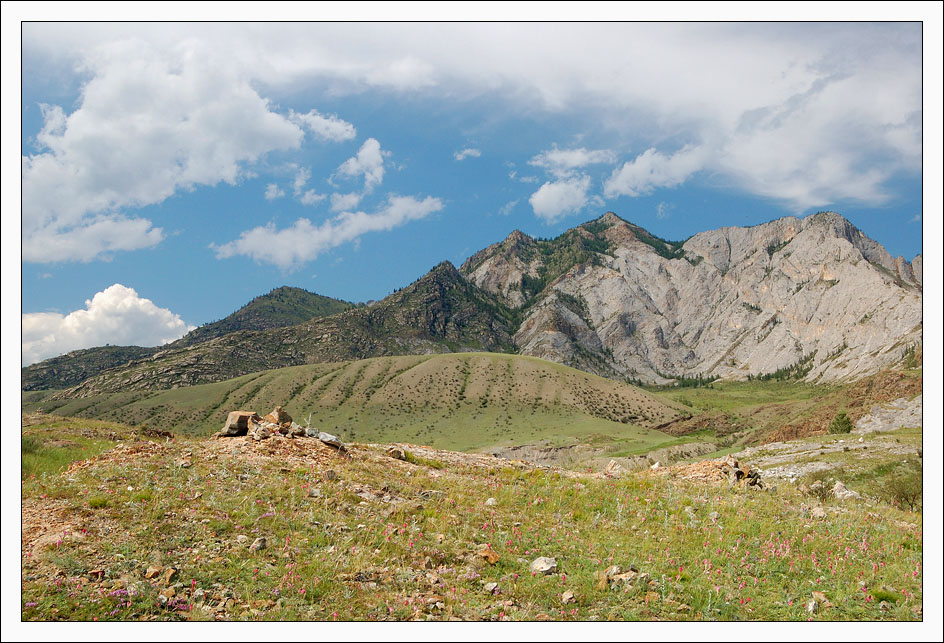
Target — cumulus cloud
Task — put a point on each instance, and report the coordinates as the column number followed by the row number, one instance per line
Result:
column 461, row 155
column 304, row 241
column 149, row 122
column 327, row 128
column 786, row 120
column 310, row 197
column 556, row 199
column 116, row 316
column 273, row 192
column 368, row 163
column 652, row 169
column 341, row 202
column 563, row 162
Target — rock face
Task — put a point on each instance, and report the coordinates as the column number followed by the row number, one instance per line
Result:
column 813, row 295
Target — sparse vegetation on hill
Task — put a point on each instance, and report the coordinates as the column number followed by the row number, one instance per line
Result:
column 230, row 529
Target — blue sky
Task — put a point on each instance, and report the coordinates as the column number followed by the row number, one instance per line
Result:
column 172, row 172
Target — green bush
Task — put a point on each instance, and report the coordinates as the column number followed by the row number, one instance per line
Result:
column 904, row 487
column 840, row 424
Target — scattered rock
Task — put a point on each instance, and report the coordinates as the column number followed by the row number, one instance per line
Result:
column 258, row 544
column 242, row 538
column 544, row 565
column 153, row 572
column 396, row 453
column 491, row 588
column 486, row 553
column 330, row 475
column 330, row 440
column 812, row 607
column 842, row 493
column 279, row 416
column 568, row 597
column 613, row 469
column 169, row 574
column 491, row 502
column 237, row 423
column 818, row 512
column 655, row 466
column 713, row 516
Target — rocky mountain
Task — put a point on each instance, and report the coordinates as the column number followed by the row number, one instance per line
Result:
column 285, row 306
column 440, row 313
column 811, row 296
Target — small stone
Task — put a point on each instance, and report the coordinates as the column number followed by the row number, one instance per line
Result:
column 242, row 538
column 314, row 492
column 613, row 469
column 169, row 574
column 491, row 588
column 153, row 572
column 568, row 597
column 713, row 516
column 168, row 592
column 487, row 554
column 818, row 513
column 396, row 453
column 199, row 595
column 544, row 565
column 258, row 544
column 656, row 465
column 491, row 502
column 330, row 440
column 812, row 607
column 330, row 475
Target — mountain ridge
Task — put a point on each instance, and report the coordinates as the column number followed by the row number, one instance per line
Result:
column 814, row 295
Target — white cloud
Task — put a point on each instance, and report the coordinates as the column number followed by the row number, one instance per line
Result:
column 507, row 209
column 304, row 241
column 915, row 219
column 563, row 162
column 310, row 197
column 116, row 316
column 778, row 108
column 663, row 210
column 301, row 178
column 652, row 169
column 327, row 128
column 273, row 192
column 367, row 163
column 340, row 202
column 149, row 122
column 461, row 155
column 556, row 199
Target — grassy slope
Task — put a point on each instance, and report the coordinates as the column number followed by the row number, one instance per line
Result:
column 90, row 535
column 458, row 401
column 756, row 412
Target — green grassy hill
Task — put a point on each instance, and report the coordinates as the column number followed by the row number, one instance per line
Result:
column 458, row 401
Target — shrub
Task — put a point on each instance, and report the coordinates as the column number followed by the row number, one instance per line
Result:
column 840, row 424
column 904, row 487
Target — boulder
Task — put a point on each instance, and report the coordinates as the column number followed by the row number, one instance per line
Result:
column 279, row 416
column 396, row 453
column 543, row 565
column 330, row 440
column 237, row 423
column 842, row 493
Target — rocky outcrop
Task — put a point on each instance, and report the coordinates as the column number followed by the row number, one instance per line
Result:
column 814, row 296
